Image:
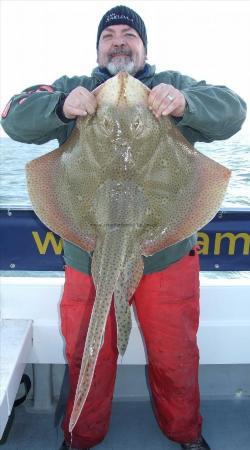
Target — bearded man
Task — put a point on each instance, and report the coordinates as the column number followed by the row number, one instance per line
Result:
column 167, row 298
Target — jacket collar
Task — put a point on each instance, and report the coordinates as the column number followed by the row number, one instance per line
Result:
column 102, row 74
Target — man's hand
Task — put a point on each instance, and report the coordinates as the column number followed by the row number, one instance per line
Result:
column 79, row 102
column 164, row 99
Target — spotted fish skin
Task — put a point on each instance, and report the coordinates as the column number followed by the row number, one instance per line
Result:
column 123, row 185
column 118, row 210
column 108, row 262
column 129, row 279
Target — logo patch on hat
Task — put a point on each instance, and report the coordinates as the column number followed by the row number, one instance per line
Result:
column 114, row 16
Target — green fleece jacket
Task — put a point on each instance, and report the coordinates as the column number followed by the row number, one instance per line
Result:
column 212, row 113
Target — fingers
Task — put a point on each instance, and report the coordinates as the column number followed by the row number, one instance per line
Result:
column 158, row 100
column 79, row 102
column 71, row 113
column 87, row 101
column 173, row 103
column 164, row 99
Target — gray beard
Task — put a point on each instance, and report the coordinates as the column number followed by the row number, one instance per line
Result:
column 121, row 66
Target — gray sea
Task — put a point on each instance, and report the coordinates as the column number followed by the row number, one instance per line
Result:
column 233, row 153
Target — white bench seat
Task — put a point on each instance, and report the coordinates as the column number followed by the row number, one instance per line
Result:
column 15, row 348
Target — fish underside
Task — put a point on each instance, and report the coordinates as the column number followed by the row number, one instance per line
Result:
column 123, row 186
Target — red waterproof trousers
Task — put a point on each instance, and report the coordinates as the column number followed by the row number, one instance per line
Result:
column 167, row 305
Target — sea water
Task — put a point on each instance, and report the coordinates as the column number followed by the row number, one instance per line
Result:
column 233, row 153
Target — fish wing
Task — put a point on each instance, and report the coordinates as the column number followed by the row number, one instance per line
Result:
column 184, row 190
column 54, row 186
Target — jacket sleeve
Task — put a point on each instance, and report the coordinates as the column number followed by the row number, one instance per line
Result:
column 31, row 115
column 215, row 112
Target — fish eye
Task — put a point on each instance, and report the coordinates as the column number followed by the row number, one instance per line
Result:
column 107, row 125
column 136, row 126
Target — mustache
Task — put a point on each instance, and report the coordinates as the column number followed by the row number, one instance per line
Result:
column 120, row 51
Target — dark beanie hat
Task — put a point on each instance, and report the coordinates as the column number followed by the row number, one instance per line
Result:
column 123, row 15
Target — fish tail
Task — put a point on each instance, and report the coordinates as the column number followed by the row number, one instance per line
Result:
column 108, row 260
column 93, row 344
column 126, row 285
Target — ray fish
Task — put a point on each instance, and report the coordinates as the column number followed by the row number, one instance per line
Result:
column 123, row 186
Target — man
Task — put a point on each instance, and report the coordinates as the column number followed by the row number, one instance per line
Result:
column 167, row 298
